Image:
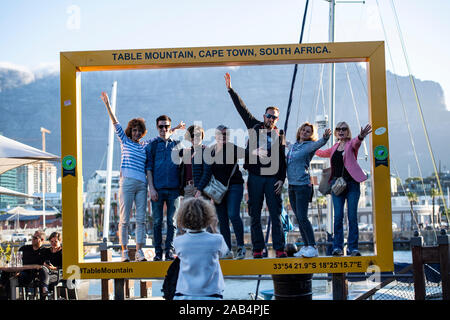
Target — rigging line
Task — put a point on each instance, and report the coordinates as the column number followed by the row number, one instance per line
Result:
column 103, row 159
column 404, row 192
column 401, row 100
column 295, row 71
column 319, row 90
column 356, row 111
column 301, row 93
column 317, row 93
column 360, row 78
column 419, row 107
column 304, row 69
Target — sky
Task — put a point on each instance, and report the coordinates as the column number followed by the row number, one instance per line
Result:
column 33, row 33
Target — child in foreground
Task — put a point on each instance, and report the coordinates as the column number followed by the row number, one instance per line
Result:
column 200, row 276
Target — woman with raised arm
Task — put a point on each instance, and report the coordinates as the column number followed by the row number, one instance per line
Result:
column 344, row 163
column 300, row 188
column 133, row 180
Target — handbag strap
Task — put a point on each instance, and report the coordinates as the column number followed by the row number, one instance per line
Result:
column 232, row 173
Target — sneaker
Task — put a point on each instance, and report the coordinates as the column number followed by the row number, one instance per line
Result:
column 257, row 254
column 139, row 256
column 125, row 257
column 310, row 252
column 158, row 257
column 281, row 254
column 169, row 256
column 240, row 253
column 337, row 252
column 355, row 253
column 300, row 252
column 228, row 255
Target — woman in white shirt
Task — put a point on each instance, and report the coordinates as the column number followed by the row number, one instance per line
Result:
column 200, row 276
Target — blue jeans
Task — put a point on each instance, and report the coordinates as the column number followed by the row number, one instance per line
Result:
column 299, row 198
column 132, row 190
column 229, row 210
column 351, row 194
column 170, row 198
column 258, row 187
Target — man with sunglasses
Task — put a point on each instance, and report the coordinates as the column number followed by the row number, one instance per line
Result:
column 266, row 172
column 31, row 254
column 34, row 254
column 164, row 184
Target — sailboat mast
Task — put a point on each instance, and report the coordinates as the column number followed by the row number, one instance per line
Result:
column 332, row 82
column 109, row 161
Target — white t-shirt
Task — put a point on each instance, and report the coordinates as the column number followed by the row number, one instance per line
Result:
column 200, row 273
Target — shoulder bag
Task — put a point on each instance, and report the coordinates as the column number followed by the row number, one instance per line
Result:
column 216, row 190
column 340, row 184
column 324, row 184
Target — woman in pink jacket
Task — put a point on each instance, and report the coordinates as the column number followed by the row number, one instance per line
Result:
column 344, row 164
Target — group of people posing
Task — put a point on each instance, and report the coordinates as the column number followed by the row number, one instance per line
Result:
column 172, row 173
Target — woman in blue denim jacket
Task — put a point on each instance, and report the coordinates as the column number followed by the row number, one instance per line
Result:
column 300, row 187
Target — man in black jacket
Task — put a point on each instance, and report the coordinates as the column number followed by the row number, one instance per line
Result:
column 34, row 254
column 266, row 165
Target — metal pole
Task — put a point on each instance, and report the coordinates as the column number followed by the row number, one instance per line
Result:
column 332, row 80
column 109, row 166
column 44, row 176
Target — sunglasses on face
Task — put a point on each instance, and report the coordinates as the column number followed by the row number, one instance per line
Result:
column 162, row 126
column 271, row 116
column 341, row 129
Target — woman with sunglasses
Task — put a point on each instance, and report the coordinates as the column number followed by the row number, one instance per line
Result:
column 133, row 180
column 195, row 171
column 300, row 187
column 344, row 163
column 53, row 259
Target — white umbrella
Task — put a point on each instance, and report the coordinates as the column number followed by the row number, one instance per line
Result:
column 31, row 212
column 14, row 154
column 9, row 192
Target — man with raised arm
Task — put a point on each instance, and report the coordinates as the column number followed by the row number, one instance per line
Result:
column 266, row 172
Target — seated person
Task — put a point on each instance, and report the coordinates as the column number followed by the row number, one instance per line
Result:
column 53, row 259
column 34, row 254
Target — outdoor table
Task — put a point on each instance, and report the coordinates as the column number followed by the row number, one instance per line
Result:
column 13, row 280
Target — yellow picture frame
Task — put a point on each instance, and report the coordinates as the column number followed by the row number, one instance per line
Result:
column 73, row 64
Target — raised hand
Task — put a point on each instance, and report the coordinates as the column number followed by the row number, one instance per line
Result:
column 182, row 125
column 105, row 98
column 327, row 133
column 365, row 131
column 228, row 81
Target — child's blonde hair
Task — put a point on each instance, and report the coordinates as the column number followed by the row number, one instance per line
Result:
column 196, row 214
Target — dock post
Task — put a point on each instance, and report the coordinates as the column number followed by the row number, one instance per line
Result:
column 119, row 289
column 444, row 257
column 146, row 289
column 340, row 286
column 129, row 284
column 107, row 285
column 418, row 269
